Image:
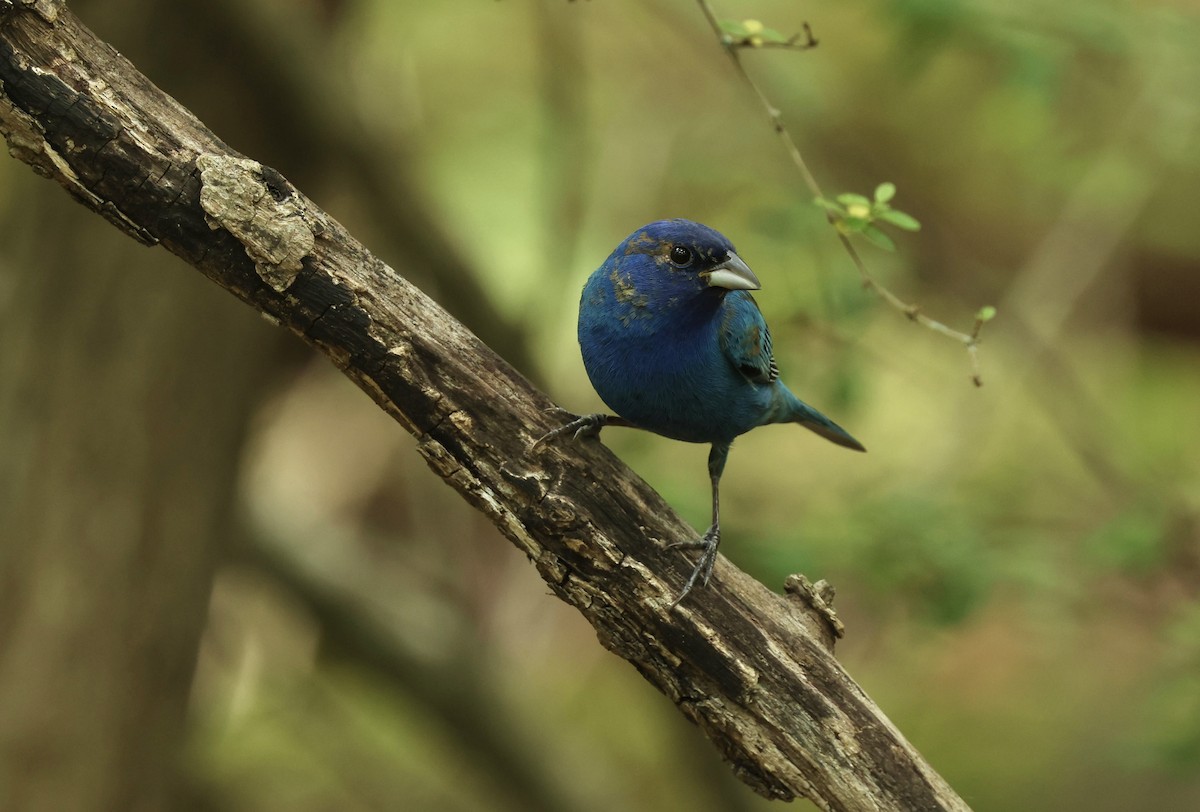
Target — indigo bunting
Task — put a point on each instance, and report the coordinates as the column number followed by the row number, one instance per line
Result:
column 674, row 344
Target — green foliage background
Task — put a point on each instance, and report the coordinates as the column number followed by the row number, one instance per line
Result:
column 1018, row 565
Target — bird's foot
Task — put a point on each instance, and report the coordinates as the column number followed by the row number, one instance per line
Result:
column 708, row 558
column 587, row 425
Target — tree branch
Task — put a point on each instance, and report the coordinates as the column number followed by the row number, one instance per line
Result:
column 754, row 670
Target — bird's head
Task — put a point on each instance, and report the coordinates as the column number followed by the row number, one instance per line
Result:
column 680, row 255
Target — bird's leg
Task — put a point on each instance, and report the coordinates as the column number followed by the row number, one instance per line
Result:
column 709, row 542
column 587, row 425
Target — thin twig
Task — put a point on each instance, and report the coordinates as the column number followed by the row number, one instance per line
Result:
column 912, row 311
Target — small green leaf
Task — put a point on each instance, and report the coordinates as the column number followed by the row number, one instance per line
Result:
column 986, row 313
column 850, row 199
column 734, row 28
column 885, row 192
column 900, row 220
column 853, row 223
column 878, row 237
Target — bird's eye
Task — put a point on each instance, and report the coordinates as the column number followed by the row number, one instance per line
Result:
column 680, row 255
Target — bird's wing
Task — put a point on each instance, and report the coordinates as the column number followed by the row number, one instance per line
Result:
column 745, row 338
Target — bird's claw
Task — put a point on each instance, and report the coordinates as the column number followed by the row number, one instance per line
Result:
column 587, row 425
column 704, row 567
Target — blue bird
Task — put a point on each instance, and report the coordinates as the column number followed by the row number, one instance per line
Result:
column 674, row 344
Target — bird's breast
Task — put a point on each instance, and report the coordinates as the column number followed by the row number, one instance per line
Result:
column 666, row 373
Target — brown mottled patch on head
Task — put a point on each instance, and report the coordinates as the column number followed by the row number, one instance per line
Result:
column 640, row 243
column 624, row 291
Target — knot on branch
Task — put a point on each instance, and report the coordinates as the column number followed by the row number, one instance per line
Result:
column 46, row 9
column 819, row 597
column 260, row 208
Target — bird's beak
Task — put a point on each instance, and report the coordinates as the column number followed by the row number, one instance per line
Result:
column 733, row 274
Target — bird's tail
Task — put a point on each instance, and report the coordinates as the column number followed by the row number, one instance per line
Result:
column 797, row 411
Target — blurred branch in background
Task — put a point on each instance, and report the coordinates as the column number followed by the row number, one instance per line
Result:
column 453, row 688
column 118, row 472
column 1078, row 252
column 753, row 39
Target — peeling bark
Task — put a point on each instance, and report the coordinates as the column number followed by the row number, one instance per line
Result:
column 753, row 669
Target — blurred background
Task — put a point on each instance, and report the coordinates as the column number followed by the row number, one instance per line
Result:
column 228, row 582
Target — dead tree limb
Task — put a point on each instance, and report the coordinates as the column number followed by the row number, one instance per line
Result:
column 754, row 670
